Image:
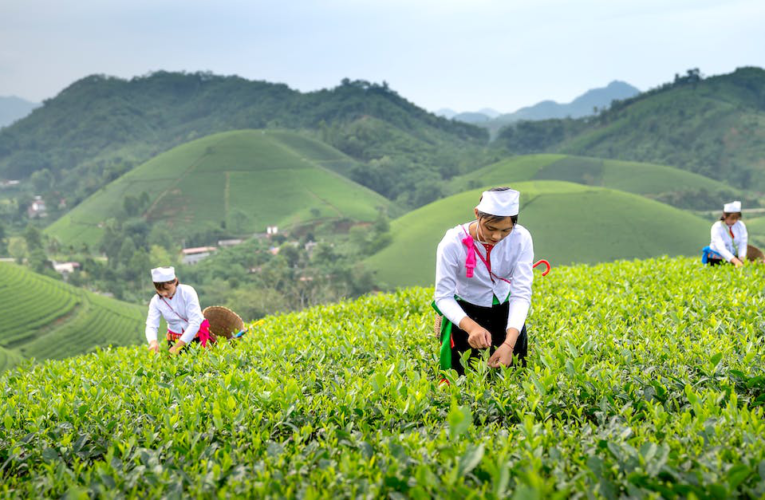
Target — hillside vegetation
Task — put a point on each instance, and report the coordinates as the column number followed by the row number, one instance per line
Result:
column 243, row 180
column 100, row 127
column 640, row 384
column 670, row 185
column 713, row 126
column 45, row 318
column 569, row 223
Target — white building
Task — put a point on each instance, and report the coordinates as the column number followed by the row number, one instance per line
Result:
column 37, row 208
column 194, row 255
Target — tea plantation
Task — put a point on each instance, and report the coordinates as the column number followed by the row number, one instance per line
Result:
column 46, row 318
column 645, row 379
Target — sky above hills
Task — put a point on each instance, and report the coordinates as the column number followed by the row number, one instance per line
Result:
column 461, row 54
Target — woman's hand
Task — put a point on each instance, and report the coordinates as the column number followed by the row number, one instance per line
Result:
column 479, row 337
column 177, row 347
column 736, row 262
column 153, row 346
column 503, row 356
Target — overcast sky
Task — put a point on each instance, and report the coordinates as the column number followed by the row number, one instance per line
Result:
column 461, row 54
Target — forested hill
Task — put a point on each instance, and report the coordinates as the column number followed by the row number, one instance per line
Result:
column 713, row 126
column 99, row 127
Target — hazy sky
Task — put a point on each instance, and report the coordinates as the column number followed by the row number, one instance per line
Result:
column 461, row 54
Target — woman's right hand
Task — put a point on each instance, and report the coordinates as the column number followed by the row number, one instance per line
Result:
column 736, row 262
column 153, row 346
column 479, row 337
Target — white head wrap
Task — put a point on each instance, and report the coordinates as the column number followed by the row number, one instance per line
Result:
column 502, row 203
column 162, row 274
column 732, row 207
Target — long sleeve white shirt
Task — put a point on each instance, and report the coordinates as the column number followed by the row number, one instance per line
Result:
column 512, row 259
column 182, row 314
column 722, row 242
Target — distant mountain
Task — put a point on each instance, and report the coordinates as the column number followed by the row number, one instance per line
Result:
column 469, row 117
column 491, row 113
column 446, row 113
column 14, row 108
column 713, row 126
column 584, row 105
column 479, row 116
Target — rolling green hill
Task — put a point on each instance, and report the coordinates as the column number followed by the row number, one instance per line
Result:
column 45, row 318
column 756, row 229
column 712, row 126
column 245, row 179
column 671, row 185
column 570, row 223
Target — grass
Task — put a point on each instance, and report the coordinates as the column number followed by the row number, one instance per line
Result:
column 570, row 223
column 245, row 179
column 44, row 318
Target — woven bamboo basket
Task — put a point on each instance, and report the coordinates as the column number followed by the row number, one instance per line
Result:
column 754, row 254
column 223, row 321
column 437, row 326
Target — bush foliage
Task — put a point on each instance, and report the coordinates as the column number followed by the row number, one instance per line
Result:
column 645, row 379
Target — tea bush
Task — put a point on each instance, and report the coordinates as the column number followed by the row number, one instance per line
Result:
column 645, row 379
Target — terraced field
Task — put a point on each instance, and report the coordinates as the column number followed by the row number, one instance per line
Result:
column 44, row 318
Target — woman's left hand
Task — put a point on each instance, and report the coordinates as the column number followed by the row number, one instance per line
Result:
column 502, row 356
column 177, row 347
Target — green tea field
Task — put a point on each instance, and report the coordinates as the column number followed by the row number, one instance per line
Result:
column 45, row 318
column 570, row 223
column 632, row 177
column 646, row 379
column 246, row 179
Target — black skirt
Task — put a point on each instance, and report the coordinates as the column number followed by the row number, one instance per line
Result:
column 494, row 319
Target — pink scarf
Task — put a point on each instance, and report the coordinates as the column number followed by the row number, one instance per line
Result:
column 470, row 261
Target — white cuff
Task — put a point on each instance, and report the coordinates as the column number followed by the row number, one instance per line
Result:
column 451, row 309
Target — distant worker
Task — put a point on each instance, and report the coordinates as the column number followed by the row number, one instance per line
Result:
column 484, row 305
column 179, row 305
column 729, row 238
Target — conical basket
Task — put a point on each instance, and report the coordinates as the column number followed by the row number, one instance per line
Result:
column 223, row 321
column 754, row 254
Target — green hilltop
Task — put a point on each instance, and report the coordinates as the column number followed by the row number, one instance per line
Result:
column 45, row 318
column 667, row 184
column 246, row 180
column 570, row 223
column 712, row 126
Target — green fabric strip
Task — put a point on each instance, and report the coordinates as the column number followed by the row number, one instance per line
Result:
column 446, row 333
column 446, row 344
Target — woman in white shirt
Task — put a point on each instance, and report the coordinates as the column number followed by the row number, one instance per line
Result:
column 729, row 238
column 483, row 283
column 179, row 305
